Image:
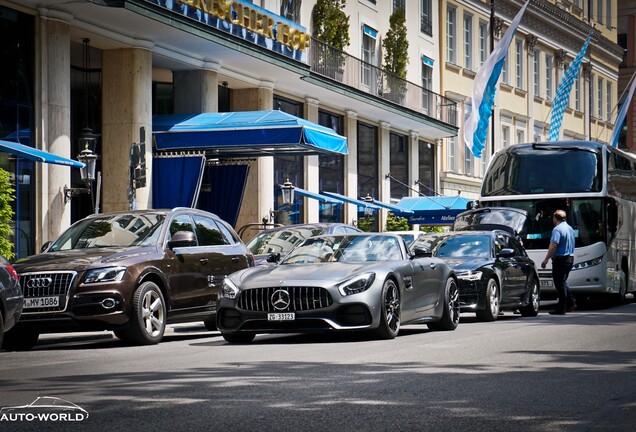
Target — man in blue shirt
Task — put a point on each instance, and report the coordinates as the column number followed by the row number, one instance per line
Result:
column 561, row 250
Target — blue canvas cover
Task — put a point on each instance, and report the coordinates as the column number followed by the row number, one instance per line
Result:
column 37, row 155
column 244, row 134
column 433, row 210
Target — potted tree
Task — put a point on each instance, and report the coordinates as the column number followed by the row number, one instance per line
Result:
column 331, row 26
column 6, row 214
column 396, row 56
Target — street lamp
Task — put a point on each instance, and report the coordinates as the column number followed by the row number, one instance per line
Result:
column 87, row 172
column 368, row 211
column 288, row 192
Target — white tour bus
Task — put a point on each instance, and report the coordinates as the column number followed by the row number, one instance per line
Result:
column 596, row 185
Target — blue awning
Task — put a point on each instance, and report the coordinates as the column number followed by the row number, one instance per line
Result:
column 437, row 210
column 316, row 196
column 346, row 199
column 393, row 208
column 34, row 154
column 245, row 134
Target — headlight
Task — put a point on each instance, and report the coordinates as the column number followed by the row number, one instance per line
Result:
column 110, row 274
column 469, row 275
column 229, row 290
column 586, row 264
column 357, row 284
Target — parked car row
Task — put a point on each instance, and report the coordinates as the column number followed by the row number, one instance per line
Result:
column 135, row 272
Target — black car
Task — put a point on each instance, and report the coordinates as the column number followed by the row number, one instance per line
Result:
column 129, row 272
column 493, row 270
column 10, row 297
column 283, row 239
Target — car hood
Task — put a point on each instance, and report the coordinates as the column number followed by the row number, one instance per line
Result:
column 321, row 274
column 82, row 259
column 468, row 263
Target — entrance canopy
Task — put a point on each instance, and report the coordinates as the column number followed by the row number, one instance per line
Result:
column 34, row 154
column 438, row 210
column 316, row 196
column 245, row 134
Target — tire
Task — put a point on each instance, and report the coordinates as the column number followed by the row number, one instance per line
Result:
column 148, row 317
column 243, row 337
column 532, row 309
column 1, row 328
column 491, row 309
column 620, row 298
column 20, row 339
column 450, row 317
column 390, row 310
column 210, row 323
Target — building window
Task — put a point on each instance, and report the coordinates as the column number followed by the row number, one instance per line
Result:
column 538, row 134
column 426, row 18
column 367, row 160
column 505, row 136
column 521, row 132
column 577, row 93
column 536, row 73
column 426, row 169
column 369, row 61
column 331, row 171
column 289, row 167
column 608, row 15
column 468, row 41
column 600, row 98
column 427, row 85
column 469, row 158
column 519, row 63
column 592, row 81
column 608, row 109
column 505, row 75
column 451, row 35
column 450, row 154
column 290, row 9
column 599, row 11
column 483, row 42
column 399, row 4
column 398, row 160
column 549, row 73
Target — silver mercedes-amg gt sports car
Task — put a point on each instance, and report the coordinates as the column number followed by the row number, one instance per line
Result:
column 366, row 281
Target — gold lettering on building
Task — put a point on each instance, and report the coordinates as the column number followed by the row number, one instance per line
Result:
column 253, row 20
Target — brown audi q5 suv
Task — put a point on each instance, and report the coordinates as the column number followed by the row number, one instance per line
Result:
column 129, row 272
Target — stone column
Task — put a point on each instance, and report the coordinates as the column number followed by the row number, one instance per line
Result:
column 414, row 165
column 258, row 197
column 351, row 165
column 312, row 164
column 54, row 216
column 384, row 194
column 196, row 91
column 126, row 106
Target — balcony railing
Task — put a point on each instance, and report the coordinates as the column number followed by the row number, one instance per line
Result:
column 353, row 72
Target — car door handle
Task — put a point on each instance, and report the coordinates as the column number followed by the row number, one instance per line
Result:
column 204, row 260
column 235, row 259
column 433, row 266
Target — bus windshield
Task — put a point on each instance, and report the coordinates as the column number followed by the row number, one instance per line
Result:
column 585, row 215
column 526, row 170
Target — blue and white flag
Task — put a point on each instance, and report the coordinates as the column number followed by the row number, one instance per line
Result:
column 563, row 92
column 484, row 87
column 622, row 113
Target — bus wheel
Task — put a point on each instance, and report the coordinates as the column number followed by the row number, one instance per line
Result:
column 620, row 298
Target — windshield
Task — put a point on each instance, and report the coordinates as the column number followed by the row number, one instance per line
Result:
column 281, row 240
column 112, row 231
column 585, row 215
column 526, row 170
column 349, row 249
column 464, row 246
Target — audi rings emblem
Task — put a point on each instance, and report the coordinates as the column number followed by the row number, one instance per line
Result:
column 280, row 299
column 39, row 282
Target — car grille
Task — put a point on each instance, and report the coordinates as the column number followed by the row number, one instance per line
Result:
column 57, row 284
column 300, row 299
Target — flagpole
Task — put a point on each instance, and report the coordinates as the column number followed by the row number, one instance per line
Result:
column 492, row 48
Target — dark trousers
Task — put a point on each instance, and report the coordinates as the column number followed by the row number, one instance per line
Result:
column 561, row 267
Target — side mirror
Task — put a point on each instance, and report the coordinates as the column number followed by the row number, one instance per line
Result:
column 182, row 239
column 506, row 253
column 274, row 257
column 422, row 252
column 45, row 246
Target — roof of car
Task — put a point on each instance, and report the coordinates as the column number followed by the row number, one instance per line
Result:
column 308, row 225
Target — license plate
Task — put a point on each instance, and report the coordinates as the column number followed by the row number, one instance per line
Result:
column 545, row 283
column 41, row 302
column 289, row 316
